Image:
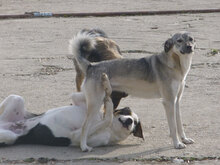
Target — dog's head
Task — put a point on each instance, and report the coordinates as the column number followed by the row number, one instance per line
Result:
column 127, row 122
column 180, row 43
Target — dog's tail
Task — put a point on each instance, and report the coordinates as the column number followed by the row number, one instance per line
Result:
column 80, row 47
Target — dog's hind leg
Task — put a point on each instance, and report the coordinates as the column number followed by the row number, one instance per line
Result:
column 107, row 121
column 94, row 93
column 179, row 120
column 12, row 109
column 78, row 98
column 93, row 104
column 7, row 137
column 79, row 76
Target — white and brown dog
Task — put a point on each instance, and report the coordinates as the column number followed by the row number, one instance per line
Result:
column 62, row 126
column 159, row 76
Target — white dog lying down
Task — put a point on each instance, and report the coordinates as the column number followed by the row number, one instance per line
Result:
column 62, row 126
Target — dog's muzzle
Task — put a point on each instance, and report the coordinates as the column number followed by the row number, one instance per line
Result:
column 126, row 123
column 187, row 49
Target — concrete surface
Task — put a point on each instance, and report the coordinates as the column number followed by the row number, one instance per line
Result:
column 21, row 6
column 33, row 64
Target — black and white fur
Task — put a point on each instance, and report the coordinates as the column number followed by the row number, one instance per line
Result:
column 62, row 126
column 158, row 76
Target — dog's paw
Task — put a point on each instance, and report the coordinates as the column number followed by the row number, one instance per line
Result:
column 86, row 148
column 180, row 145
column 187, row 141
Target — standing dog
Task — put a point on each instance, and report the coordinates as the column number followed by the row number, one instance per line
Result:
column 62, row 126
column 158, row 76
column 105, row 49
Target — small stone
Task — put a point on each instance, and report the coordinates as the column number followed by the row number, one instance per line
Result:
column 176, row 160
column 29, row 160
column 155, row 27
column 43, row 160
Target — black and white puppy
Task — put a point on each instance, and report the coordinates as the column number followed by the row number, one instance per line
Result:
column 62, row 126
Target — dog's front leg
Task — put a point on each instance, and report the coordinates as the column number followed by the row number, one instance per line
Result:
column 169, row 106
column 179, row 120
column 169, row 95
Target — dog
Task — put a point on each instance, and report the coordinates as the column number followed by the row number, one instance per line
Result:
column 62, row 126
column 158, row 76
column 105, row 49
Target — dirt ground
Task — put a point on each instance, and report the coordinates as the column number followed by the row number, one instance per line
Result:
column 34, row 64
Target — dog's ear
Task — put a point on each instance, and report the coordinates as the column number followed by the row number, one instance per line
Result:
column 168, row 45
column 138, row 131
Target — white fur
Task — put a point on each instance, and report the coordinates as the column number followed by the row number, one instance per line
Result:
column 64, row 121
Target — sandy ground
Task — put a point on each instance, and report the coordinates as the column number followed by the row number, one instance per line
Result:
column 33, row 64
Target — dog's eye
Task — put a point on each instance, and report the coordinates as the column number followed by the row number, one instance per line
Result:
column 135, row 122
column 179, row 40
column 190, row 39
